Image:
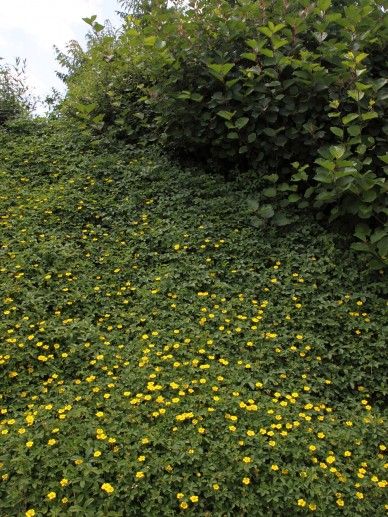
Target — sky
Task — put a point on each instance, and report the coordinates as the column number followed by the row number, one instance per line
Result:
column 30, row 28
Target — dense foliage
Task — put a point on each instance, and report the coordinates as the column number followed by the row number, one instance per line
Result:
column 296, row 89
column 162, row 356
column 15, row 100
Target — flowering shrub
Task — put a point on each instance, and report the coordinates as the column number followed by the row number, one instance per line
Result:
column 161, row 357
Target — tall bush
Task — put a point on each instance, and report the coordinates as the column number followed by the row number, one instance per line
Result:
column 293, row 88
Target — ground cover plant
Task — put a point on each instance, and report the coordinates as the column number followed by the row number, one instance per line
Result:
column 162, row 356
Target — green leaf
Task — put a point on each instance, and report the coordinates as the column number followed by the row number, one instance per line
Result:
column 337, row 151
column 97, row 27
column 362, row 231
column 197, row 97
column 360, row 246
column 355, row 94
column 253, row 44
column 354, row 130
column 369, row 115
column 227, row 115
column 150, row 41
column 293, row 198
column 378, row 235
column 273, row 178
column 369, row 196
column 281, row 219
column 323, row 176
column 266, row 51
column 270, row 192
column 269, row 131
column 323, row 5
column 337, row 131
column 220, row 70
column 349, row 118
column 266, row 31
column 382, row 246
column 278, row 42
column 266, row 211
column 249, row 55
column 253, row 204
column 251, row 137
column 241, row 122
column 90, row 20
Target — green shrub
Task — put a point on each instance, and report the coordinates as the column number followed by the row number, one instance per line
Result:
column 257, row 85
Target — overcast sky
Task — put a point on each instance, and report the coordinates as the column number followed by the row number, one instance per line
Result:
column 30, row 28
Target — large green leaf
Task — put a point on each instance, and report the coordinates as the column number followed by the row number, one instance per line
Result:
column 227, row 115
column 266, row 211
column 220, row 70
column 349, row 118
column 241, row 122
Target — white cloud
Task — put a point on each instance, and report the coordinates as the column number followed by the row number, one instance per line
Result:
column 48, row 22
column 30, row 28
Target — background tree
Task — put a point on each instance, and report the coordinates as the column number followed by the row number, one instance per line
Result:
column 15, row 99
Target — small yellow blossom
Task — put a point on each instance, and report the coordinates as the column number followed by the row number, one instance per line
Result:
column 107, row 487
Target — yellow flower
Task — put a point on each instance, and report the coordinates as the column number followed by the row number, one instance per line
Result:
column 29, row 419
column 97, row 454
column 51, row 495
column 64, row 482
column 246, row 481
column 51, row 442
column 30, row 513
column 107, row 487
column 180, row 495
column 274, row 467
column 184, row 505
column 247, row 459
column 330, row 459
column 359, row 495
column 139, row 474
column 301, row 502
column 340, row 503
column 216, row 486
column 29, row 444
column 194, row 498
